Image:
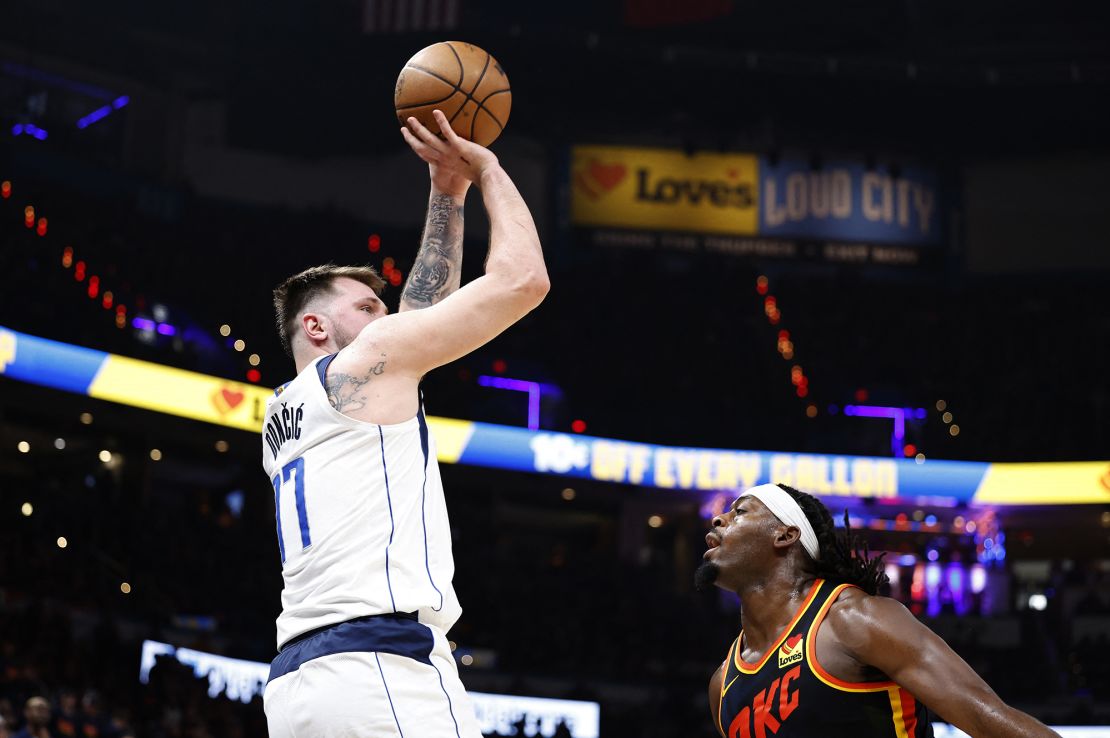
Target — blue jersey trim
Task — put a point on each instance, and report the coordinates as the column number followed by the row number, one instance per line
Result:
column 388, row 696
column 392, row 526
column 401, row 636
column 450, row 707
column 423, row 494
column 322, row 369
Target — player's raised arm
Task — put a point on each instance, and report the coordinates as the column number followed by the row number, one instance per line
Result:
column 437, row 271
column 515, row 279
column 882, row 633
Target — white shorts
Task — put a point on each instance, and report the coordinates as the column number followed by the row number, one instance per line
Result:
column 369, row 693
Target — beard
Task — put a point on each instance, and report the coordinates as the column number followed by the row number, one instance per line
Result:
column 343, row 339
column 706, row 575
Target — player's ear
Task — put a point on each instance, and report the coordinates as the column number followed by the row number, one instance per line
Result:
column 315, row 326
column 786, row 535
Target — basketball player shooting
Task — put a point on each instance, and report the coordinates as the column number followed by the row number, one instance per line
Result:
column 820, row 654
column 362, row 523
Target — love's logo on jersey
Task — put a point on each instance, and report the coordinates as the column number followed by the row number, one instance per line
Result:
column 791, row 651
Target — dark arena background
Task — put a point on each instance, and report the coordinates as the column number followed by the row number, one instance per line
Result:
column 861, row 249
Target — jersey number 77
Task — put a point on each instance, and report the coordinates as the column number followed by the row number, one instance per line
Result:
column 294, row 469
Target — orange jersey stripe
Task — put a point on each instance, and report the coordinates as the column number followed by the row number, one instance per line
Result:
column 896, row 712
column 909, row 712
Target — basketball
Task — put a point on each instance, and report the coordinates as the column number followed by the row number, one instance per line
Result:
column 463, row 81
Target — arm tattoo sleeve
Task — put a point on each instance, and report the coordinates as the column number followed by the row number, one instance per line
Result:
column 345, row 390
column 437, row 271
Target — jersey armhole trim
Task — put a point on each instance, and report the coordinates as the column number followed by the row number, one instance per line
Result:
column 815, row 665
column 724, row 687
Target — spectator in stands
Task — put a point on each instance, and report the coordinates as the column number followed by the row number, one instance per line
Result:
column 94, row 721
column 67, row 720
column 7, row 717
column 37, row 714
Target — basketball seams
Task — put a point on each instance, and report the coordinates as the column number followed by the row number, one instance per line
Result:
column 482, row 106
column 458, row 60
column 438, row 76
column 435, row 75
column 474, row 119
column 430, row 102
column 470, row 96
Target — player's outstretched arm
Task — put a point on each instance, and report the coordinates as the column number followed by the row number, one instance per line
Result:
column 515, row 279
column 437, row 271
column 880, row 632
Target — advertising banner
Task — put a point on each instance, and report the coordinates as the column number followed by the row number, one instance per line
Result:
column 844, row 201
column 840, row 211
column 664, row 190
column 220, row 401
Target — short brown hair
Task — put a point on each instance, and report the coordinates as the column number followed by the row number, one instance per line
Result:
column 292, row 295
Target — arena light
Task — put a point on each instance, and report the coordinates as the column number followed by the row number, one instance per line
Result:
column 897, row 414
column 534, row 390
column 29, row 129
column 93, row 117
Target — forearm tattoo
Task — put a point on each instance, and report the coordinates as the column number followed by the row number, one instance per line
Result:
column 345, row 390
column 437, row 271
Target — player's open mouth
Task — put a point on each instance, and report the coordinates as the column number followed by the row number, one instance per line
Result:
column 712, row 541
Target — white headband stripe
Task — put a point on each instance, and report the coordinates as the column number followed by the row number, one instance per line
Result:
column 786, row 508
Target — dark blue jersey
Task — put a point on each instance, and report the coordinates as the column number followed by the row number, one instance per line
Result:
column 788, row 694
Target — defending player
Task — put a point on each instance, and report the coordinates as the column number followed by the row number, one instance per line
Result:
column 820, row 654
column 361, row 519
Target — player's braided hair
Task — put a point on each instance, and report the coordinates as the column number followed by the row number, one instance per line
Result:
column 845, row 558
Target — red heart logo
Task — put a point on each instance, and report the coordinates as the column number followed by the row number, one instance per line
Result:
column 232, row 398
column 607, row 175
column 227, row 400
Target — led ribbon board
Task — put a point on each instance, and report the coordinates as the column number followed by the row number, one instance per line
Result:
column 232, row 404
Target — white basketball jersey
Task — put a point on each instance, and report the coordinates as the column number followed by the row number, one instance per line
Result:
column 361, row 519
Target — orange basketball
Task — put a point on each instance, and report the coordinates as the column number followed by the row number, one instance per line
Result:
column 463, row 81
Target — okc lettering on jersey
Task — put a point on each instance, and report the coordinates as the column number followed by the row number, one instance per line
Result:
column 755, row 720
column 283, row 426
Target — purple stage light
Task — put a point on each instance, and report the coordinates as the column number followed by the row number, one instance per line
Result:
column 166, row 329
column 897, row 414
column 518, row 385
column 143, row 324
column 94, row 116
column 120, row 101
column 29, row 129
